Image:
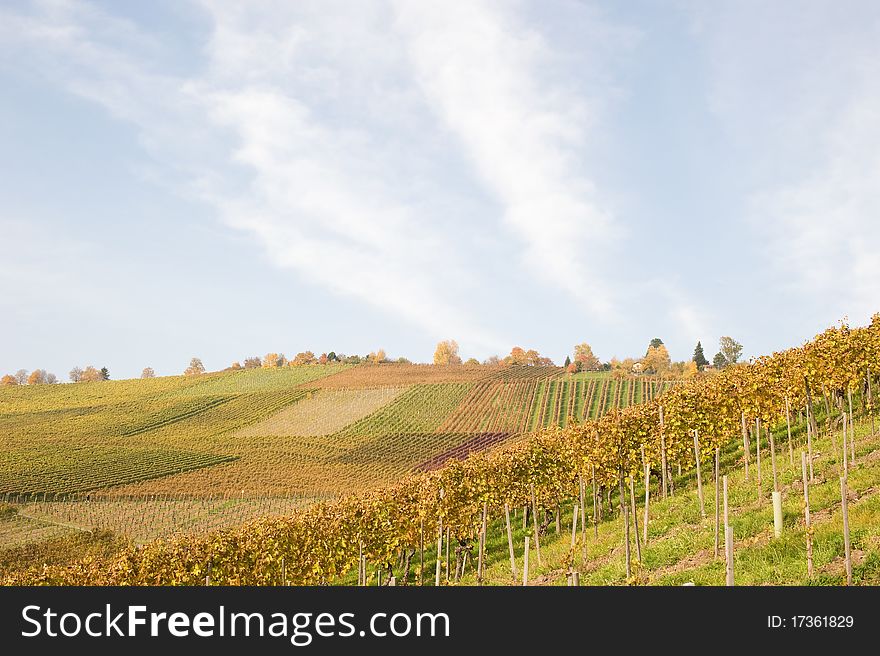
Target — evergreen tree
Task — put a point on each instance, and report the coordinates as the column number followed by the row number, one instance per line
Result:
column 699, row 357
column 105, row 373
column 567, row 361
column 719, row 360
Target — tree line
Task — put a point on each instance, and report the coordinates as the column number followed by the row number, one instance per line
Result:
column 655, row 361
column 43, row 377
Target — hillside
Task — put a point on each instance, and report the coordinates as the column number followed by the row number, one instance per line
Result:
column 154, row 457
column 814, row 404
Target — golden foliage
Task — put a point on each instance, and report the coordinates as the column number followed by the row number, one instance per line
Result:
column 322, row 543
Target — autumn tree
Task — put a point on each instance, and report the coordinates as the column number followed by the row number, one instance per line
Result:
column 403, row 360
column 253, row 362
column 75, row 375
column 51, row 378
column 21, row 376
column 571, row 367
column 699, row 358
column 235, row 366
column 306, row 357
column 584, row 358
column 447, row 352
column 472, row 361
column 377, row 357
column 657, row 361
column 323, row 359
column 148, row 373
column 492, row 360
column 91, row 375
column 37, row 377
column 517, row 356
column 8, row 379
column 719, row 360
column 274, row 360
column 195, row 368
column 654, row 343
column 730, row 349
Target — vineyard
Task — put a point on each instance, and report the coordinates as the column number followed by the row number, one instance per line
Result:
column 255, row 436
column 793, row 432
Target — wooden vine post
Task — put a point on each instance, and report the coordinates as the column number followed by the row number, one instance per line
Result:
column 439, row 545
column 439, row 566
column 788, row 428
column 535, row 526
column 635, row 516
column 482, row 543
column 525, row 576
column 852, row 429
column 422, row 551
column 510, row 542
column 810, row 445
column 758, row 452
column 595, row 504
column 776, row 495
column 871, row 401
column 845, row 453
column 647, row 496
column 846, row 546
column 583, row 519
column 746, row 448
column 624, row 515
column 717, row 498
column 663, row 453
column 811, row 418
column 773, row 459
column 807, row 524
column 447, row 554
column 699, row 475
column 728, row 541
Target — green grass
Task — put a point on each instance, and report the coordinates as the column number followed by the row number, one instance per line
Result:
column 681, row 544
column 420, row 409
column 85, row 436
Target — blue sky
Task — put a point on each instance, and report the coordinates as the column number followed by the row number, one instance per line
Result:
column 224, row 179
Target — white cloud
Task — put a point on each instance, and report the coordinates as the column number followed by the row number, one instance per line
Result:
column 802, row 103
column 323, row 129
column 248, row 137
column 481, row 69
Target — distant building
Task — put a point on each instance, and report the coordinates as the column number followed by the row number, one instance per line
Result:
column 637, row 368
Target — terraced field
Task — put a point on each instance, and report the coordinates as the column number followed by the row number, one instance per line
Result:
column 145, row 518
column 89, row 468
column 528, row 405
column 324, row 412
column 176, row 454
column 403, row 375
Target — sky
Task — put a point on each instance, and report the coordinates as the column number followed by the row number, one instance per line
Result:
column 225, row 179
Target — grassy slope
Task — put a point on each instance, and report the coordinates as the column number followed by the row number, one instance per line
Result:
column 240, row 434
column 68, row 438
column 681, row 544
